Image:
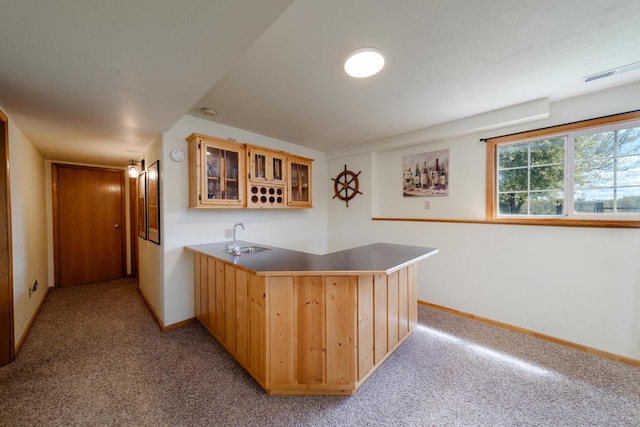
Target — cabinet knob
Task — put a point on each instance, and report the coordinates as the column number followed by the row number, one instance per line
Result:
column 117, row 226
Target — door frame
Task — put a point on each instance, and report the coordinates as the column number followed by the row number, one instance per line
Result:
column 7, row 342
column 55, row 202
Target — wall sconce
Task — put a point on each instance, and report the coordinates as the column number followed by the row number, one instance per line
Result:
column 133, row 170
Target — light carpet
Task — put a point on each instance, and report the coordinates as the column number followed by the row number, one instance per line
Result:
column 96, row 357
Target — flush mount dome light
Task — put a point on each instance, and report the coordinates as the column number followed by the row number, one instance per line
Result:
column 208, row 111
column 364, row 62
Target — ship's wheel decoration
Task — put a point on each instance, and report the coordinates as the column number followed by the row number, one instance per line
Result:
column 346, row 185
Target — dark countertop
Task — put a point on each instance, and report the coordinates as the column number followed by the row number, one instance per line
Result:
column 377, row 258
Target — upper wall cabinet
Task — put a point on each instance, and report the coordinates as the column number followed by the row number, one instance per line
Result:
column 216, row 172
column 299, row 188
column 227, row 174
column 266, row 177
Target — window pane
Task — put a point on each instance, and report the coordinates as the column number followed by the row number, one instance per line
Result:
column 546, row 203
column 628, row 200
column 512, row 180
column 548, row 151
column 628, row 170
column 594, row 145
column 511, row 156
column 547, row 178
column 629, row 141
column 512, row 204
column 594, row 173
column 594, row 201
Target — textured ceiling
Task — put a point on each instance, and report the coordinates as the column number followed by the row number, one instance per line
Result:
column 95, row 81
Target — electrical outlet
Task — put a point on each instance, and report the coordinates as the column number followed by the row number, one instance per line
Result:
column 427, row 204
column 228, row 233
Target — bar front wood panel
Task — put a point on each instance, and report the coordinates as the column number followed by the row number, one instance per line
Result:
column 403, row 304
column 204, row 291
column 381, row 318
column 230, row 307
column 393, row 316
column 211, row 293
column 256, row 328
column 241, row 316
column 281, row 325
column 306, row 334
column 197, row 304
column 340, row 334
column 366, row 311
column 220, row 301
column 311, row 323
column 412, row 283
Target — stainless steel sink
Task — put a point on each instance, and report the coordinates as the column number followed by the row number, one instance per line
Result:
column 246, row 250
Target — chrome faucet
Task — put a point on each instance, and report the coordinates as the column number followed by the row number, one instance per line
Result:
column 235, row 248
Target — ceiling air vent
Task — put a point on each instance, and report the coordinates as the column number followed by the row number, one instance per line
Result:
column 612, row 72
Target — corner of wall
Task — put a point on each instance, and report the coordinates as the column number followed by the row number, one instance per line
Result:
column 28, row 229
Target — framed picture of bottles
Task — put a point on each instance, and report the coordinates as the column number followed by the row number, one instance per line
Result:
column 426, row 174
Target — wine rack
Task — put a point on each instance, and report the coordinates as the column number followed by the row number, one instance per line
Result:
column 266, row 196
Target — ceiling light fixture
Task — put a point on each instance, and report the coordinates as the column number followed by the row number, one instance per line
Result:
column 364, row 62
column 208, row 111
column 133, row 169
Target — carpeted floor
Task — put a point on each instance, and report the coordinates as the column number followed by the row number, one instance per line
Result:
column 95, row 356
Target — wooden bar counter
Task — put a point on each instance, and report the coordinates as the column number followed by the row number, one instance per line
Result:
column 308, row 324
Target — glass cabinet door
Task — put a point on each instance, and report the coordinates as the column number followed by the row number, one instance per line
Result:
column 232, row 180
column 259, row 162
column 299, row 182
column 214, row 158
column 266, row 165
column 277, row 170
column 221, row 173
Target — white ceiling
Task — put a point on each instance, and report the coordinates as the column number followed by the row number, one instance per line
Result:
column 94, row 82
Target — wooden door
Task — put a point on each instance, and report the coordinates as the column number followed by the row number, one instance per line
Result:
column 89, row 227
column 7, row 347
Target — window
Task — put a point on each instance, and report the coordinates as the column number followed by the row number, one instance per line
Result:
column 531, row 177
column 606, row 178
column 587, row 172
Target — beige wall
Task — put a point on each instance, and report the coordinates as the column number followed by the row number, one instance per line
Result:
column 166, row 273
column 576, row 284
column 581, row 285
column 29, row 228
column 151, row 265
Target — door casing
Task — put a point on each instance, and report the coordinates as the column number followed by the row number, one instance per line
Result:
column 7, row 339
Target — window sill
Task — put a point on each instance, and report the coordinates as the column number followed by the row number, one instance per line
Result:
column 592, row 223
column 527, row 221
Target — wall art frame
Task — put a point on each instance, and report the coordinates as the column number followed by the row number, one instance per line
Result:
column 426, row 174
column 142, row 205
column 153, row 202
